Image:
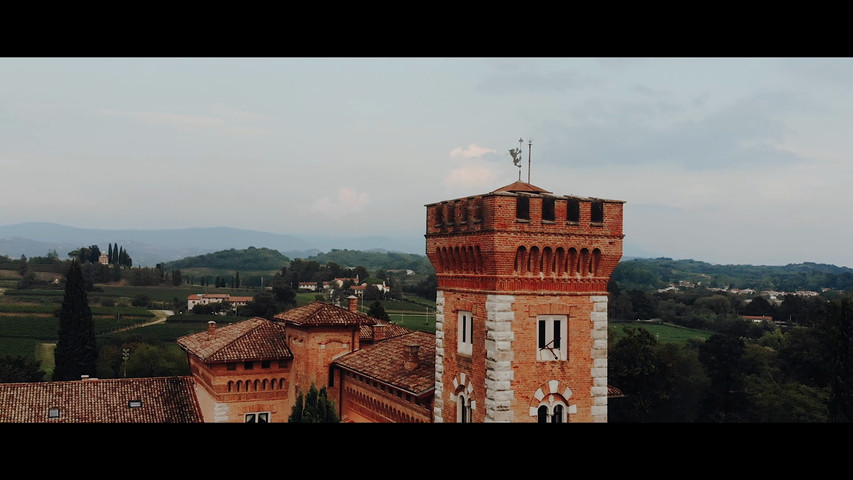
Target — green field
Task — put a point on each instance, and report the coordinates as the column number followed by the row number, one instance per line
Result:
column 663, row 332
column 28, row 326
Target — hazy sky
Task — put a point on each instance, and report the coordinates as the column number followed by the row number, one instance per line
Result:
column 724, row 160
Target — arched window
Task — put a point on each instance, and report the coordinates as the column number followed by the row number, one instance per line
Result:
column 465, row 406
column 558, row 414
column 551, row 413
column 542, row 414
column 463, row 409
column 549, row 404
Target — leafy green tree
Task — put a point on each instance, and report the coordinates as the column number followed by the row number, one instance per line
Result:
column 758, row 306
column 772, row 398
column 263, row 305
column 145, row 360
column 76, row 349
column 315, row 407
column 361, row 273
column 20, row 369
column 115, row 272
column 283, row 293
column 27, row 281
column 721, row 355
column 836, row 332
column 177, row 278
column 635, row 368
column 378, row 311
column 141, row 300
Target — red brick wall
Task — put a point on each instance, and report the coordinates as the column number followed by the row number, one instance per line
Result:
column 256, row 390
column 474, row 245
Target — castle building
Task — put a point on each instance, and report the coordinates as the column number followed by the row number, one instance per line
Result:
column 521, row 336
column 521, row 324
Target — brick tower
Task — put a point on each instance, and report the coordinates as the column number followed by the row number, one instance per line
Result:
column 521, row 323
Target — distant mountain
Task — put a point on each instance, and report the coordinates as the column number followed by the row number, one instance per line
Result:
column 150, row 247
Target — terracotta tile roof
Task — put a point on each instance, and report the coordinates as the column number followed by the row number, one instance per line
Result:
column 520, row 186
column 391, row 329
column 384, row 361
column 253, row 339
column 320, row 314
column 613, row 392
column 160, row 400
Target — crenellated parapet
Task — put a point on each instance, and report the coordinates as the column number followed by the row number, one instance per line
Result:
column 567, row 243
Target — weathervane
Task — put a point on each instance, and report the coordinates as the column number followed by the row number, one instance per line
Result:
column 516, row 157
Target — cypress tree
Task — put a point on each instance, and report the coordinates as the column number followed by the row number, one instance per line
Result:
column 76, row 352
column 314, row 407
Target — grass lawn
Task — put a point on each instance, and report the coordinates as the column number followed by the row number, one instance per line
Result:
column 664, row 332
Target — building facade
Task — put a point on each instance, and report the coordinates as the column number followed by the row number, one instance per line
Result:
column 521, row 324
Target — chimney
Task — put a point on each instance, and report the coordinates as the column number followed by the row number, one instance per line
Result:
column 410, row 357
column 353, row 303
column 211, row 328
column 379, row 331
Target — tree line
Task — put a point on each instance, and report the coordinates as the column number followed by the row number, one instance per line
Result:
column 657, row 273
column 803, row 373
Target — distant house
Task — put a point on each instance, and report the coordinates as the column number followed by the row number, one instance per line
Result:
column 104, row 259
column 208, row 298
column 758, row 318
column 312, row 286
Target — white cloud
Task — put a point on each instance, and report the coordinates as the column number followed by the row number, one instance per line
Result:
column 469, row 178
column 472, row 151
column 348, row 201
column 222, row 121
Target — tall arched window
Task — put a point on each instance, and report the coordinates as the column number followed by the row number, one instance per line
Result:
column 542, row 414
column 463, row 409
